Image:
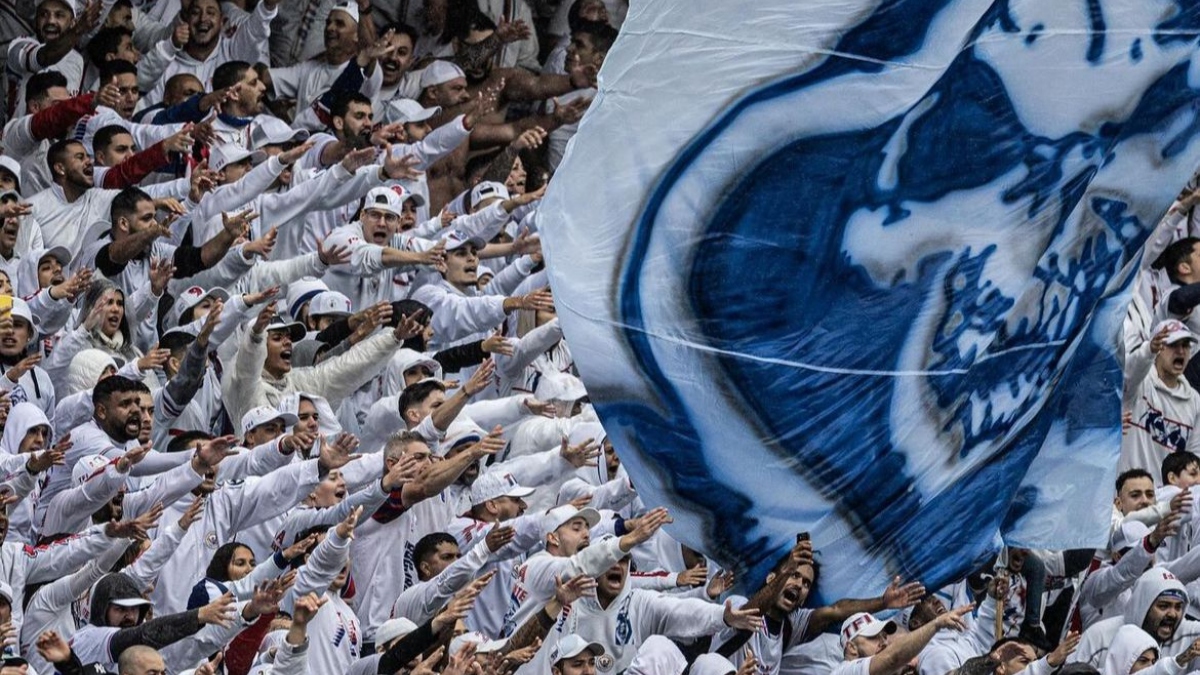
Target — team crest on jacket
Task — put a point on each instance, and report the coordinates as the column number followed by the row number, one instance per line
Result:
column 604, row 663
column 210, row 539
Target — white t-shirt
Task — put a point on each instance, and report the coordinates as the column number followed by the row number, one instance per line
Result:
column 767, row 644
column 855, row 667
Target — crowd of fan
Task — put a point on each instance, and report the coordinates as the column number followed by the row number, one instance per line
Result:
column 283, row 389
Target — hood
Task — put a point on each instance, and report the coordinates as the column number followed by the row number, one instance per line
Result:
column 84, row 371
column 595, row 475
column 1153, row 583
column 402, row 360
column 94, row 293
column 660, row 656
column 712, row 664
column 25, row 284
column 1128, row 644
column 112, row 587
column 290, row 403
column 304, row 353
column 22, row 418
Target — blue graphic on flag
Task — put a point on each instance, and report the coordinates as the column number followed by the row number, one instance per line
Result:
column 864, row 267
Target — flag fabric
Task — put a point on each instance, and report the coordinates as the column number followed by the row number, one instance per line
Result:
column 859, row 268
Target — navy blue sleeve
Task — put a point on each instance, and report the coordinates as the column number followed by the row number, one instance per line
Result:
column 186, row 111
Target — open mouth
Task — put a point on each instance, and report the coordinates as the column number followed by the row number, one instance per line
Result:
column 390, row 66
column 1179, row 362
column 340, row 494
column 285, row 356
column 113, row 322
column 791, row 595
column 613, row 578
column 204, row 27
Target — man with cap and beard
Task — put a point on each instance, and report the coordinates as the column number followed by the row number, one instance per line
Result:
column 871, row 647
column 118, row 620
column 1157, row 606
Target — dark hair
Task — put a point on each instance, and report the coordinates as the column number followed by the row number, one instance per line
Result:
column 342, row 100
column 228, row 74
column 104, row 137
column 39, row 84
column 1006, row 640
column 1176, row 462
column 603, row 35
column 58, row 152
column 427, row 546
column 574, row 20
column 298, row 562
column 462, row 17
column 408, row 307
column 111, row 69
column 182, row 442
column 126, row 202
column 401, row 28
column 414, row 395
column 218, row 567
column 1177, row 252
column 106, row 41
column 1130, row 475
column 116, row 384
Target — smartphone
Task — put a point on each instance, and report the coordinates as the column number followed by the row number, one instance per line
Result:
column 803, row 536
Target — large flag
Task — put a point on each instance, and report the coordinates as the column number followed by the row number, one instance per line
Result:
column 859, row 268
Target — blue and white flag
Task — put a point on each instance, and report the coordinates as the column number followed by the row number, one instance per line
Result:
column 859, row 268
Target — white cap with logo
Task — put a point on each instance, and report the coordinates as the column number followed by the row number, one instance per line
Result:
column 221, row 156
column 330, row 303
column 1176, row 331
column 866, row 625
column 259, row 416
column 495, row 484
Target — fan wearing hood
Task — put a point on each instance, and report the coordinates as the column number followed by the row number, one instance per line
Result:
column 262, row 372
column 118, row 620
column 1156, row 606
column 41, row 280
column 27, row 431
column 23, row 447
column 1135, row 651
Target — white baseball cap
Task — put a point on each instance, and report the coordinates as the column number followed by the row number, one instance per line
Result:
column 572, row 645
column 221, row 156
column 86, row 467
column 20, row 309
column 392, row 629
column 494, row 484
column 488, row 190
column 301, row 291
column 407, row 110
column 350, row 8
column 456, row 239
column 191, row 297
column 1130, row 534
column 1176, row 331
column 330, row 303
column 864, row 624
column 383, row 199
column 561, row 515
column 483, row 644
column 440, row 72
column 406, row 194
column 263, row 414
column 274, row 131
